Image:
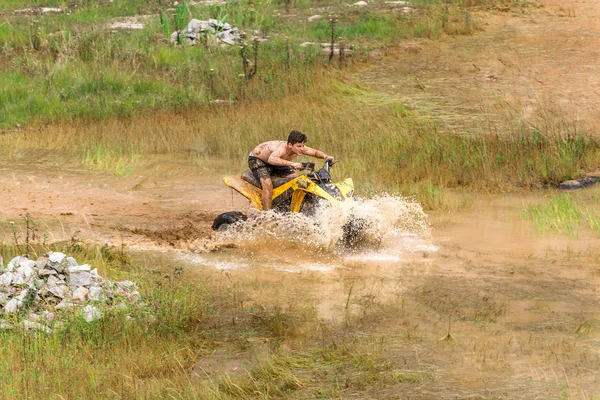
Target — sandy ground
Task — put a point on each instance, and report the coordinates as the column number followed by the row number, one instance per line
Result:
column 171, row 202
column 539, row 64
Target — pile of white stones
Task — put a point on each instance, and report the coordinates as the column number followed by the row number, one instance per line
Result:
column 38, row 290
column 192, row 34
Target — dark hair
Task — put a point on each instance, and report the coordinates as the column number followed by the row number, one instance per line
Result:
column 296, row 137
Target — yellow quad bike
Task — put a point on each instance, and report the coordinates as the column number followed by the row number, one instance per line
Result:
column 299, row 194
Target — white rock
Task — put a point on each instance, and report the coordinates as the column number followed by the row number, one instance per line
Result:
column 27, row 263
column 34, row 317
column 16, row 262
column 3, row 297
column 314, row 18
column 47, row 316
column 51, row 10
column 97, row 294
column 56, row 258
column 41, row 263
column 79, row 276
column 64, row 304
column 24, row 274
column 36, row 326
column 79, row 268
column 12, row 306
column 306, row 44
column 134, row 297
column 396, row 3
column 23, row 294
column 57, row 261
column 46, row 272
column 127, row 25
column 91, row 313
column 5, row 325
column 96, row 277
column 56, row 287
column 70, row 262
column 81, row 294
column 360, row 4
column 6, row 278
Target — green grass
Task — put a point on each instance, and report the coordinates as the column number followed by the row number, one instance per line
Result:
column 70, row 66
column 118, row 161
column 559, row 214
column 567, row 213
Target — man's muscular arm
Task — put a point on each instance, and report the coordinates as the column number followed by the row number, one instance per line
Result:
column 315, row 153
column 275, row 159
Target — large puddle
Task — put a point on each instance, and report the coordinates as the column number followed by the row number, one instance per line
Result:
column 392, row 229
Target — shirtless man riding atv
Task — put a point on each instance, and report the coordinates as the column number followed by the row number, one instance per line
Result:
column 275, row 158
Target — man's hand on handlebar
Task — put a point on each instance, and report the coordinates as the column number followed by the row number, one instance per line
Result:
column 296, row 165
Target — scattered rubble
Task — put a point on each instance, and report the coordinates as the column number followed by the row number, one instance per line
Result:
column 208, row 3
column 51, row 10
column 404, row 9
column 326, row 47
column 39, row 289
column 41, row 10
column 127, row 25
column 197, row 29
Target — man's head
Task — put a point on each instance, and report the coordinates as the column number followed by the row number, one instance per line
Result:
column 296, row 141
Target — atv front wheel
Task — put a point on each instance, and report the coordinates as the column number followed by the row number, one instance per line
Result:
column 223, row 221
column 355, row 233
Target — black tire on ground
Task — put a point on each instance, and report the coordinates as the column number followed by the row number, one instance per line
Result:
column 354, row 232
column 223, row 221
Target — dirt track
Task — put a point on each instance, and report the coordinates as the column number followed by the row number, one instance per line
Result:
column 170, row 204
column 532, row 64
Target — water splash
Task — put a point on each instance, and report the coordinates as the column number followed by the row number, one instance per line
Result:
column 385, row 219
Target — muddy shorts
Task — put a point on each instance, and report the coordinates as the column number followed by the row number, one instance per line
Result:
column 262, row 170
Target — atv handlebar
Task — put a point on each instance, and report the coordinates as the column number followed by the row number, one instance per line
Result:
column 310, row 166
column 330, row 163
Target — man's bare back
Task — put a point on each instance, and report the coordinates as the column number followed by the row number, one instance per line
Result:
column 278, row 148
column 276, row 156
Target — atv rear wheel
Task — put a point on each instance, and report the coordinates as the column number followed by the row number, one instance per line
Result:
column 223, row 221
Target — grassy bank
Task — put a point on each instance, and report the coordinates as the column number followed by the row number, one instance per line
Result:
column 73, row 65
column 382, row 145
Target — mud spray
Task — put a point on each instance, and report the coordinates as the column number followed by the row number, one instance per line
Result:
column 391, row 227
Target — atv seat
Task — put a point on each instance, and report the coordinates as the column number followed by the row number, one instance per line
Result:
column 249, row 177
